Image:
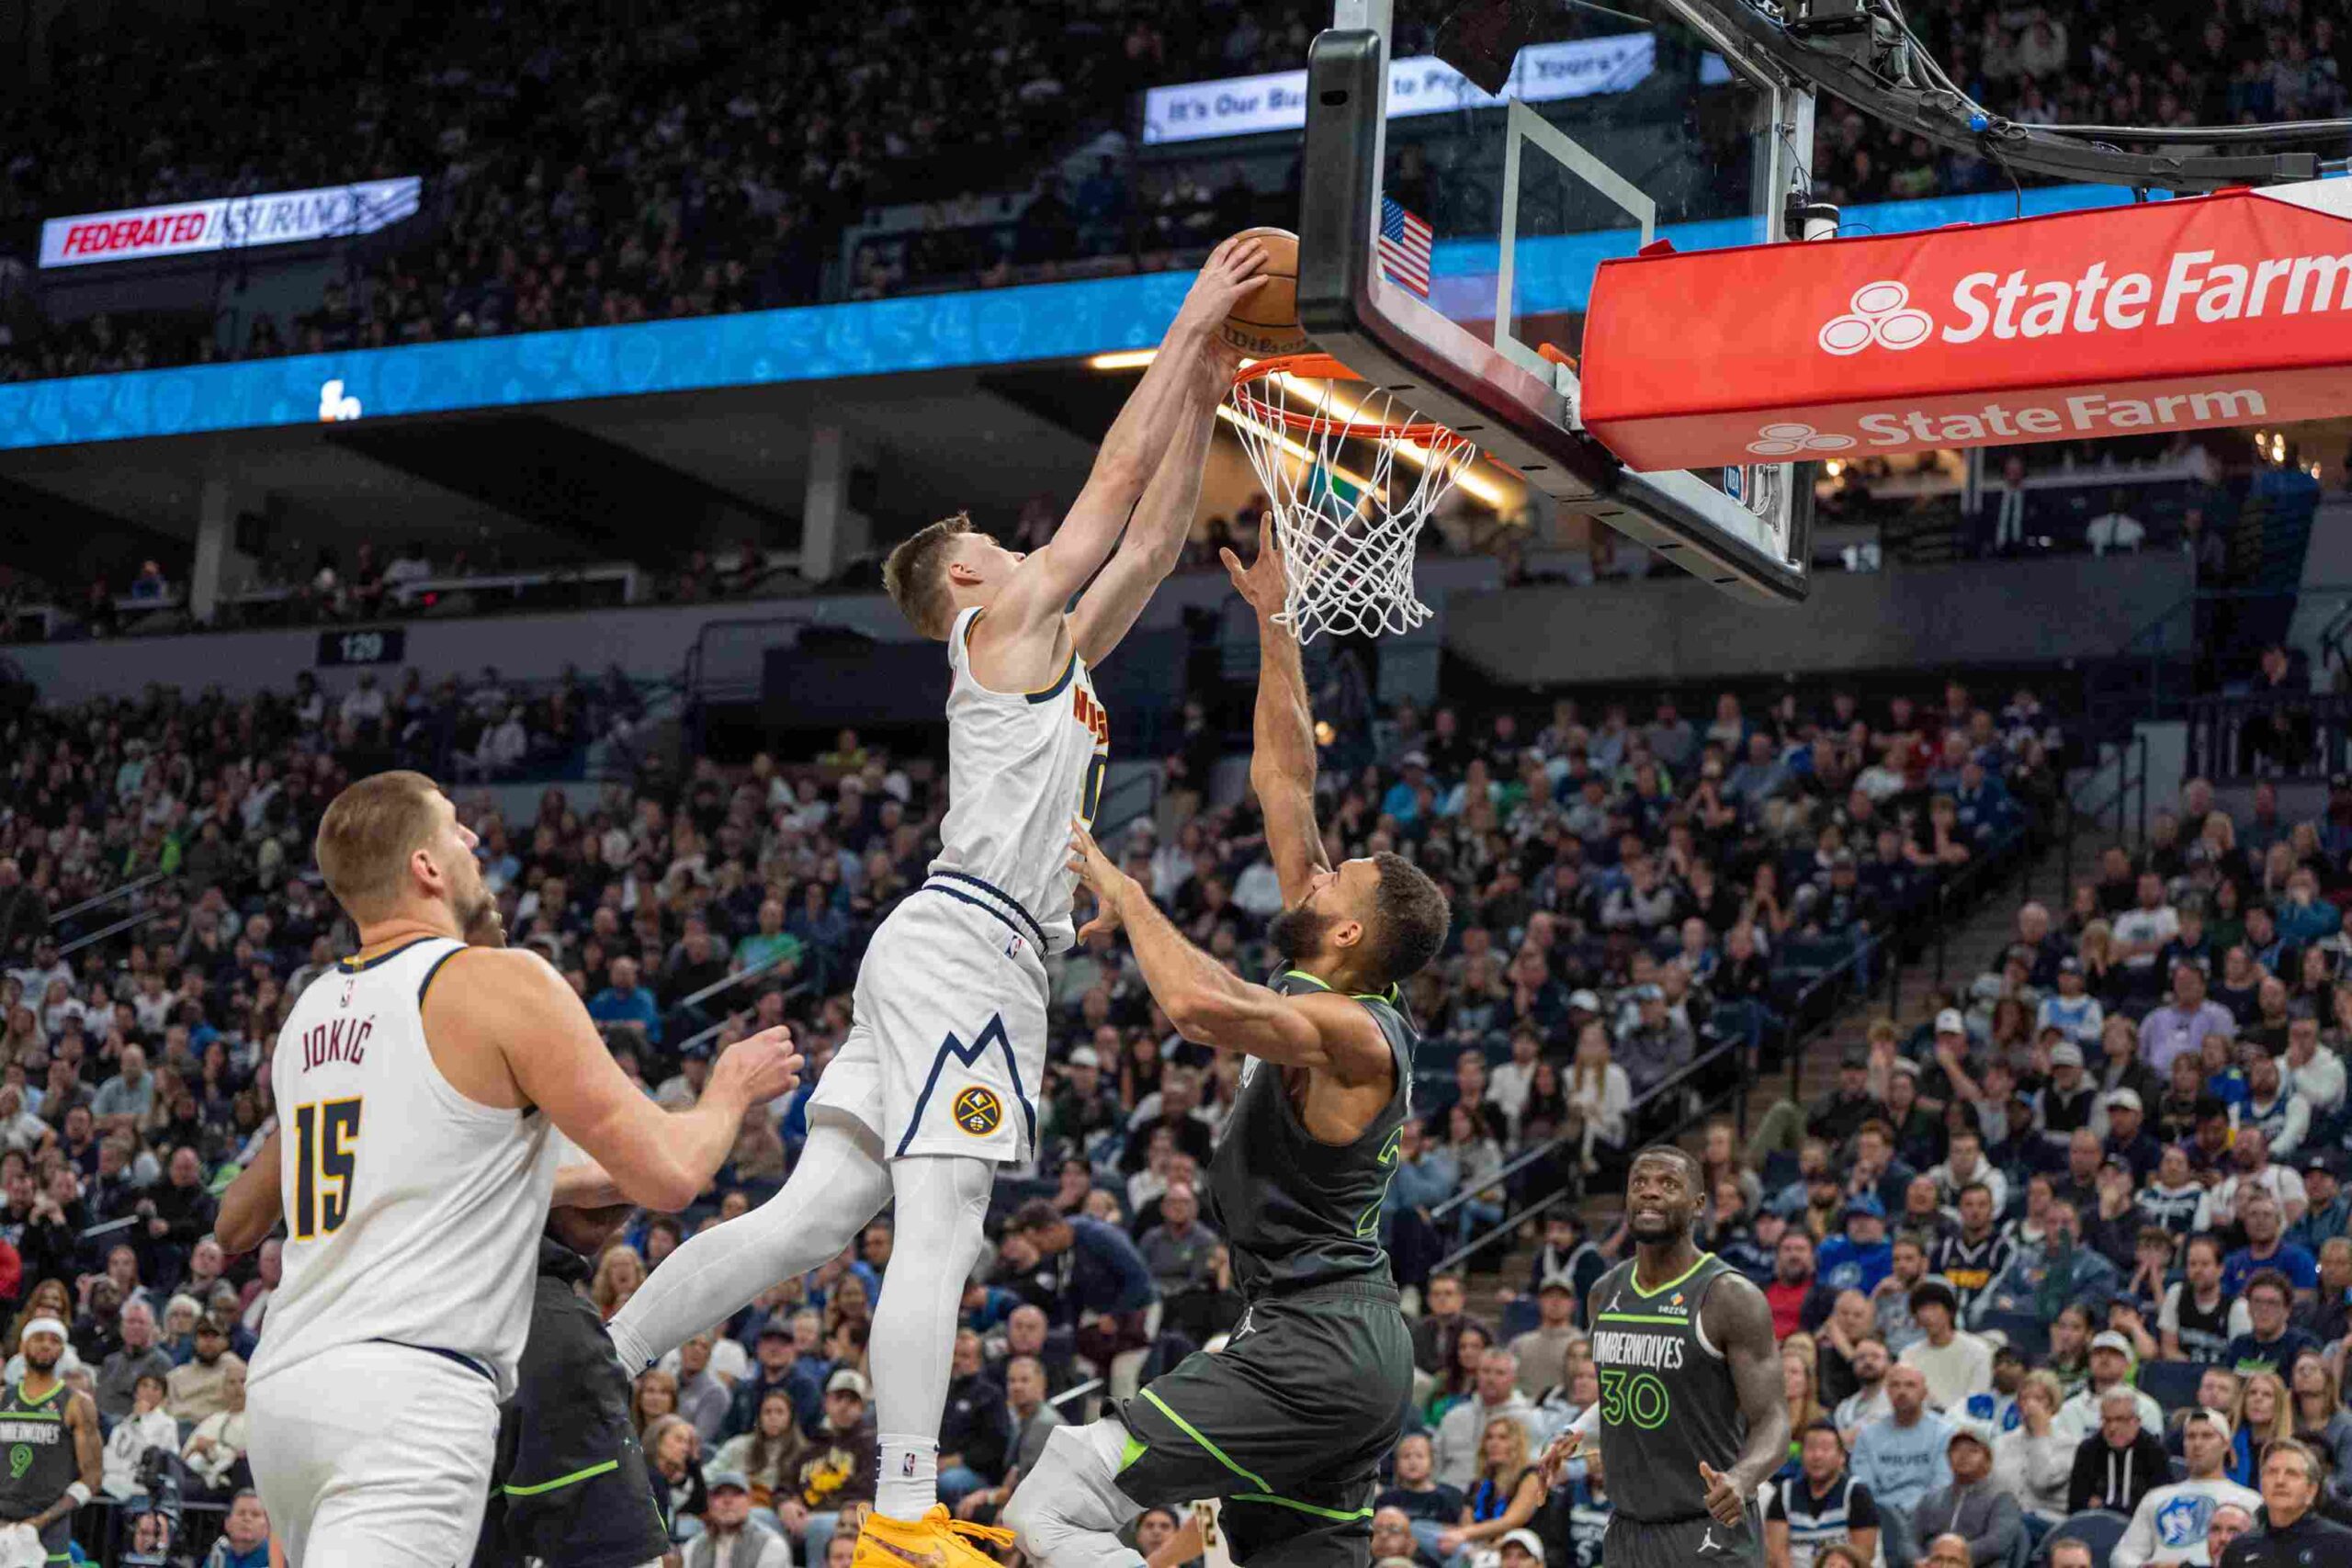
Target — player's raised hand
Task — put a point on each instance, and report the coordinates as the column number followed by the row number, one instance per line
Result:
column 1233, row 272
column 1099, row 875
column 1723, row 1500
column 1556, row 1454
column 764, row 1066
column 1263, row 581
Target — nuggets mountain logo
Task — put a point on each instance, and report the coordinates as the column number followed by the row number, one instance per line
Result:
column 979, row 1112
column 1881, row 314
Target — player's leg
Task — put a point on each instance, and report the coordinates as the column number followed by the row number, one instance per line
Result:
column 1068, row 1510
column 404, row 1443
column 943, row 1201
column 839, row 1185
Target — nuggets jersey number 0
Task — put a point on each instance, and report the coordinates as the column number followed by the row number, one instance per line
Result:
column 413, row 1214
column 1020, row 765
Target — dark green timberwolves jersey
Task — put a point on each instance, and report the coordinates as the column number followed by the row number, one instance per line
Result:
column 1296, row 1211
column 1666, row 1400
column 40, row 1464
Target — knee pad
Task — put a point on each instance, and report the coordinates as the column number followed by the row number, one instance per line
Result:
column 1074, row 1490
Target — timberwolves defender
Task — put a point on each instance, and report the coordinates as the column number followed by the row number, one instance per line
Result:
column 931, row 1090
column 1692, row 1417
column 1289, row 1422
column 419, row 1084
column 50, row 1436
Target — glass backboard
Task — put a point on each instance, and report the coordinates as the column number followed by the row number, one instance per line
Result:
column 1450, row 233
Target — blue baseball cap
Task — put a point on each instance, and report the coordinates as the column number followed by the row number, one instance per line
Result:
column 1865, row 1204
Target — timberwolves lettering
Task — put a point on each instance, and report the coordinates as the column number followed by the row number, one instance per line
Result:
column 43, row 1432
column 340, row 1040
column 1613, row 1347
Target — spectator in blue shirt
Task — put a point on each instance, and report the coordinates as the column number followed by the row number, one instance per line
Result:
column 1403, row 800
column 2274, row 1342
column 1100, row 1274
column 2265, row 1246
column 627, row 1003
column 2303, row 915
column 1860, row 1257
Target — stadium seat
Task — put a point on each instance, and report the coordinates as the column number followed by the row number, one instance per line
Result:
column 2028, row 1332
column 2172, row 1384
column 1518, row 1317
column 2095, row 1527
column 1779, row 1169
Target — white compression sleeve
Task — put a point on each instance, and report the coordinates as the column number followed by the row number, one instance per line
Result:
column 943, row 1200
column 840, row 1184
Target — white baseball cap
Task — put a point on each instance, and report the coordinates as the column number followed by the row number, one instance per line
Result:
column 1948, row 1021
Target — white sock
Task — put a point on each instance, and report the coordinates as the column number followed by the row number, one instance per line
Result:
column 942, row 1200
column 908, row 1484
column 840, row 1184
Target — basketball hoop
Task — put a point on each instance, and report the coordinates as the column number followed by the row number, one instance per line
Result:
column 1347, row 534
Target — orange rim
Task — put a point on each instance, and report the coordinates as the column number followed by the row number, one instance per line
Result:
column 1323, row 368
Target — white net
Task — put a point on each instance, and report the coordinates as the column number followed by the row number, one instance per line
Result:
column 1347, row 530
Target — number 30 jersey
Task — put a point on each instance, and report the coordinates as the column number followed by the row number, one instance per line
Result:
column 412, row 1213
column 1666, row 1400
column 1020, row 765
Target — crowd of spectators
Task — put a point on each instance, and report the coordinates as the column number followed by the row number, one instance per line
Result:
column 1625, row 893
column 586, row 166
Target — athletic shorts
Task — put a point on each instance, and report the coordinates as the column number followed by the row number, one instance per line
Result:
column 1682, row 1544
column 374, row 1455
column 947, row 1033
column 572, row 1485
column 1287, row 1424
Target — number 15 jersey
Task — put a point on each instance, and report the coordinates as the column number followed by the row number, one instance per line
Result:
column 1020, row 765
column 1666, row 1400
column 412, row 1213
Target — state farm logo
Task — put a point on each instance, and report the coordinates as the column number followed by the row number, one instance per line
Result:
column 1788, row 439
column 1882, row 315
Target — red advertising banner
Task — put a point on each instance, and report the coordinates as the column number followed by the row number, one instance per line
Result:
column 2231, row 308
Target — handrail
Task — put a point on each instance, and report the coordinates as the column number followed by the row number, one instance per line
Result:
column 1088, row 1386
column 736, row 979
column 123, row 890
column 689, row 1042
column 130, row 923
column 1558, row 1140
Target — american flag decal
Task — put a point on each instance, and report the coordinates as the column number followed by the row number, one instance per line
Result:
column 1404, row 248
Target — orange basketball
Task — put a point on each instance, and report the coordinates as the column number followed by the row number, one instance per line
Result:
column 1266, row 323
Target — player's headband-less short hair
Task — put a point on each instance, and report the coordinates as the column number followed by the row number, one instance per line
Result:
column 915, row 575
column 1410, row 918
column 368, row 833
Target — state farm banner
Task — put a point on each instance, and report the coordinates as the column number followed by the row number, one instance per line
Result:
column 2230, row 308
column 229, row 222
column 1276, row 100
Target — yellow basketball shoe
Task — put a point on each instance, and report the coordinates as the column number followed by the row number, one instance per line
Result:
column 938, row 1539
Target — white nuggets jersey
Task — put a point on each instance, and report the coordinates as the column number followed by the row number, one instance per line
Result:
column 1020, row 765
column 413, row 1214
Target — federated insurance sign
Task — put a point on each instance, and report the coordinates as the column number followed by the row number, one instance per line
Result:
column 1543, row 73
column 229, row 222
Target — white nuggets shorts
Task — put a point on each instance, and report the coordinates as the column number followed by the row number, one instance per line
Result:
column 947, row 1034
column 374, row 1455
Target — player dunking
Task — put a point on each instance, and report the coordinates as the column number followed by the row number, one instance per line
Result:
column 1290, row 1421
column 1692, row 1417
column 934, row 1087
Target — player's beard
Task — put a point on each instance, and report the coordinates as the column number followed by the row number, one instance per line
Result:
column 478, row 918
column 1297, row 933
column 33, row 1359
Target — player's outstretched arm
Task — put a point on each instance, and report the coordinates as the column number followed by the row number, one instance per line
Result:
column 252, row 1204
column 1739, row 1319
column 1210, row 1006
column 1154, row 539
column 1036, row 595
column 1281, row 758
column 511, row 1002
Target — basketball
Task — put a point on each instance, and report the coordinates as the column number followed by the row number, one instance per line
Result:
column 1266, row 324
